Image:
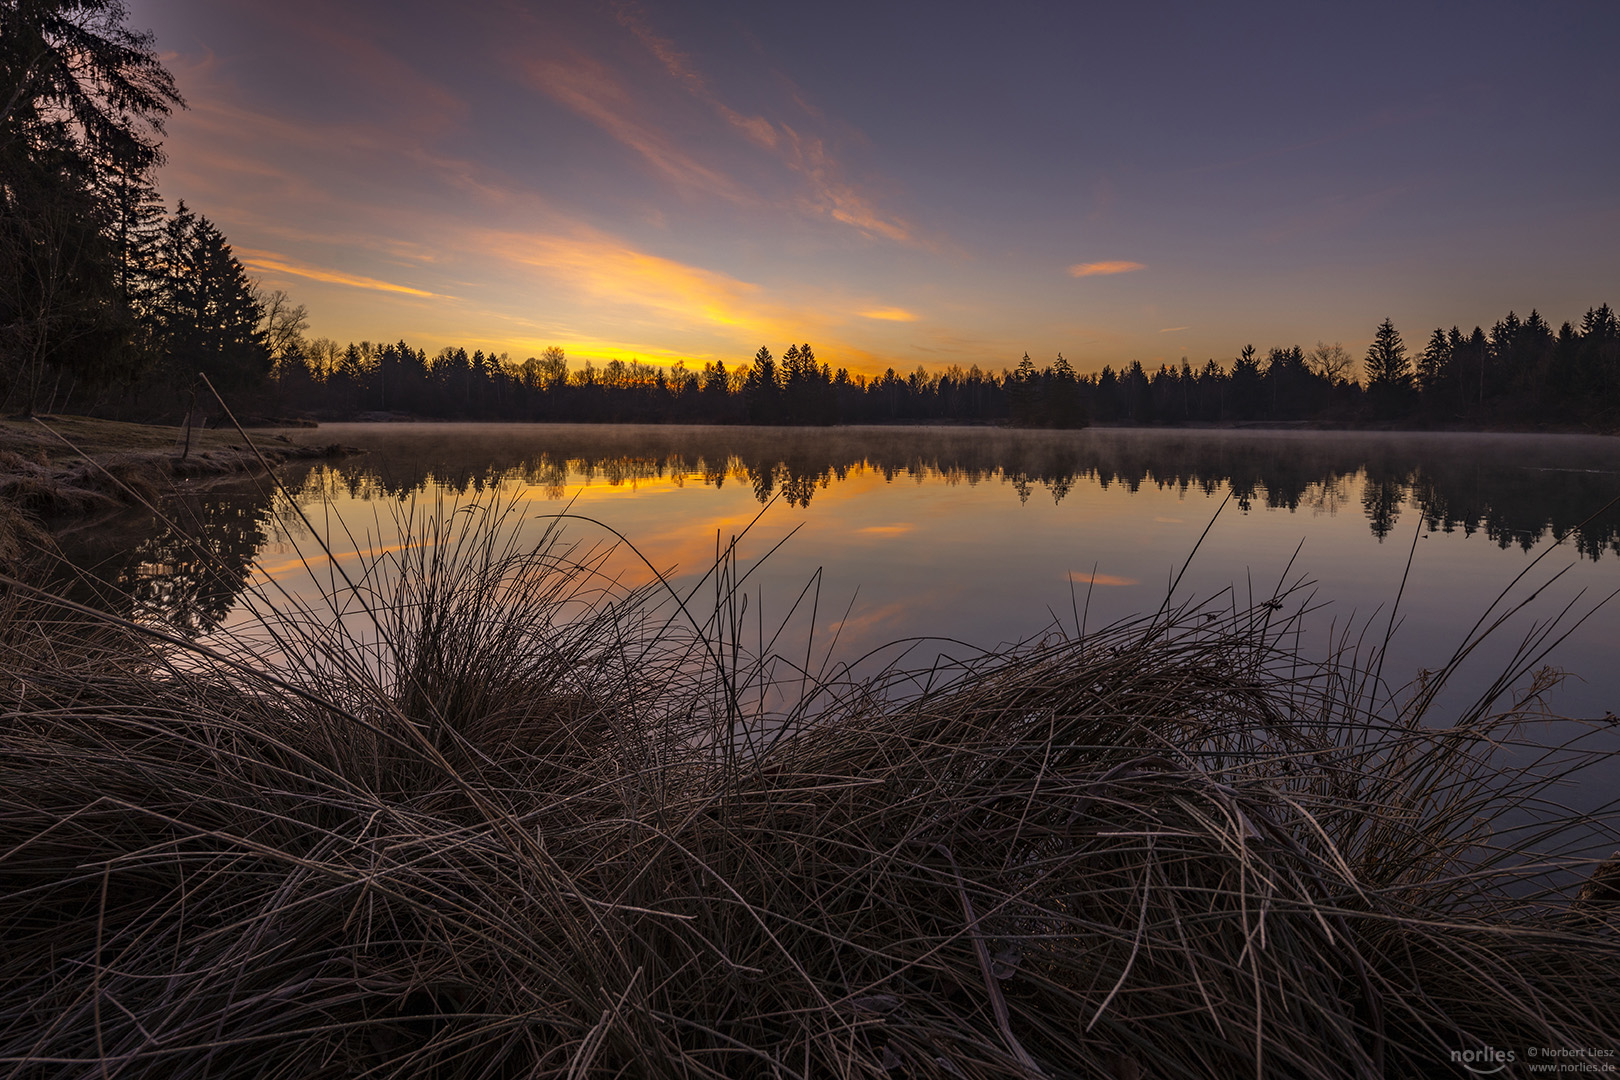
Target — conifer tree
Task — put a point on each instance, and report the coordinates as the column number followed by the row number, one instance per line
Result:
column 1386, row 363
column 82, row 103
column 1433, row 362
column 207, row 318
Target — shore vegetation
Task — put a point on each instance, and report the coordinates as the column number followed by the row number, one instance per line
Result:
column 507, row 816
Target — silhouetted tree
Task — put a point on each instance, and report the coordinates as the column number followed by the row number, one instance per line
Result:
column 1243, row 398
column 1389, row 372
column 207, row 318
column 82, row 102
column 1433, row 363
column 1330, row 363
column 762, row 391
column 1024, row 392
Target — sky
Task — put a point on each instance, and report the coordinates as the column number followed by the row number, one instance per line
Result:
column 902, row 184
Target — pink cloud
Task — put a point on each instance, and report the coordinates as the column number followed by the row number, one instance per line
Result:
column 1095, row 269
column 589, row 89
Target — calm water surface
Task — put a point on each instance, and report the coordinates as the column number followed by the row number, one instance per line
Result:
column 981, row 536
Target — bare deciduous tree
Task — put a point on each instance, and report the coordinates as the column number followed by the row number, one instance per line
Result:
column 283, row 323
column 1330, row 362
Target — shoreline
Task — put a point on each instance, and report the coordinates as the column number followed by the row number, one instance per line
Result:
column 1383, row 426
column 66, row 468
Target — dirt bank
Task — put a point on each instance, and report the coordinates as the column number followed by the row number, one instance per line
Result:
column 55, row 467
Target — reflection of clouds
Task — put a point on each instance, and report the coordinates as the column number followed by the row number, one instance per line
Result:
column 857, row 626
column 314, row 561
column 1512, row 502
column 948, row 562
column 1106, row 580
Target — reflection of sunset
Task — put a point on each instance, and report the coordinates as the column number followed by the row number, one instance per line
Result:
column 956, row 531
column 969, row 538
column 315, row 561
column 601, row 489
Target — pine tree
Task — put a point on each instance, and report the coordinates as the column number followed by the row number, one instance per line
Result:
column 1386, row 363
column 1245, row 385
column 206, row 316
column 1062, row 404
column 1433, row 362
column 762, row 390
column 82, row 102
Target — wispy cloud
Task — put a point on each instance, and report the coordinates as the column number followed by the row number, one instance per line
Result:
column 1173, row 329
column 588, row 88
column 607, row 268
column 1114, row 266
column 618, row 292
column 890, row 314
column 269, row 262
column 886, row 530
column 221, row 133
column 830, row 193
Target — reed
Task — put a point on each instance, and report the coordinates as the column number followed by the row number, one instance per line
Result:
column 509, row 818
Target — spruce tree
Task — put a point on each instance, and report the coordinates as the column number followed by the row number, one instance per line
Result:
column 82, row 103
column 1386, row 363
column 206, row 316
column 1433, row 362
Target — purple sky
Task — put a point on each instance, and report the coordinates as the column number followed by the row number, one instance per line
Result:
column 903, row 183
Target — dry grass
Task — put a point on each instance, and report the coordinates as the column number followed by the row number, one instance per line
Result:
column 72, row 466
column 510, row 820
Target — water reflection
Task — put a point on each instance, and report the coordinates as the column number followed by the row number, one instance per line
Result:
column 1516, row 489
column 189, row 571
column 184, row 568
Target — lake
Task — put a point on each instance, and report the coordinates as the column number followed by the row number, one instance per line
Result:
column 952, row 539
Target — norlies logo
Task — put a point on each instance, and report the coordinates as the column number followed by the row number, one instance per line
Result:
column 1484, row 1061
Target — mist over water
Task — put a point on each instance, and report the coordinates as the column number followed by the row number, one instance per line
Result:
column 978, row 536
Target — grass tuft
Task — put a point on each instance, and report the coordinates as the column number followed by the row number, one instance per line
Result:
column 503, row 817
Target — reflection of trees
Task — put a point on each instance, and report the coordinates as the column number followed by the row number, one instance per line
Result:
column 1516, row 490
column 1381, row 497
column 1522, row 505
column 189, row 575
column 185, row 572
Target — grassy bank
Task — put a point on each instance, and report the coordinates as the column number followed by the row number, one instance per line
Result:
column 520, row 822
column 73, row 465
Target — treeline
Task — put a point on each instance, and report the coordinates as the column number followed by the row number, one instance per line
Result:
column 110, row 305
column 1520, row 372
column 106, row 300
